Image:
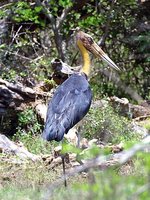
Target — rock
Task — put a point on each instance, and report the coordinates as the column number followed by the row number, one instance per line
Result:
column 117, row 148
column 122, row 105
column 84, row 143
column 71, row 136
column 99, row 103
column 41, row 110
column 57, row 151
column 127, row 109
column 92, row 142
column 139, row 130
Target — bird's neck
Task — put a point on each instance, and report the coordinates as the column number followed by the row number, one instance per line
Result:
column 86, row 59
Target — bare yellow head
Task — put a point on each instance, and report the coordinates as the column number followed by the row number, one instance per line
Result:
column 86, row 43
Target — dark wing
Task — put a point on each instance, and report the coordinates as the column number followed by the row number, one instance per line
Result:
column 68, row 106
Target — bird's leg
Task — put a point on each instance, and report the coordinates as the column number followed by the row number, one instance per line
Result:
column 64, row 171
column 63, row 164
column 79, row 137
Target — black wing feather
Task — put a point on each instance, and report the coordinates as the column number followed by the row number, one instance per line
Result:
column 68, row 106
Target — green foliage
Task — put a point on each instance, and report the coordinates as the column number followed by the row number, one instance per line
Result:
column 4, row 11
column 22, row 55
column 102, row 87
column 10, row 192
column 69, row 148
column 92, row 152
column 92, row 20
column 29, row 130
column 2, row 46
column 2, row 14
column 147, row 124
column 23, row 12
column 9, row 75
column 107, row 125
column 130, row 181
column 143, row 41
column 27, row 118
column 66, row 3
column 34, row 143
column 126, row 46
column 41, row 68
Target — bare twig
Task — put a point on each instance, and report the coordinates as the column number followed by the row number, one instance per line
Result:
column 47, row 13
column 15, row 35
column 140, row 190
column 13, row 38
column 61, row 19
column 5, row 5
column 56, row 26
column 101, row 161
column 120, row 84
column 103, row 38
column 19, row 55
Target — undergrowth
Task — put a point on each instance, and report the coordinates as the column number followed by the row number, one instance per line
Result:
column 31, row 181
column 108, row 126
column 29, row 133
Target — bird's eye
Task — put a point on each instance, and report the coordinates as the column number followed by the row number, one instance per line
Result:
column 90, row 40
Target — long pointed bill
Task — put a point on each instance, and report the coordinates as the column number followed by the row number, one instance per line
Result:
column 96, row 50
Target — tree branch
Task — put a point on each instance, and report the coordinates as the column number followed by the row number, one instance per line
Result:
column 47, row 13
column 101, row 42
column 114, row 77
column 101, row 161
column 61, row 19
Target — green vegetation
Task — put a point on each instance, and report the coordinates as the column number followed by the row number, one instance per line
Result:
column 129, row 181
column 104, row 123
column 29, row 133
column 107, row 185
column 25, row 181
column 28, row 120
column 23, row 12
column 107, row 125
column 34, row 41
column 146, row 124
column 123, row 181
column 31, row 35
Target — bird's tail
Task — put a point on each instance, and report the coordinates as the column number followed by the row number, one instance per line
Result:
column 53, row 132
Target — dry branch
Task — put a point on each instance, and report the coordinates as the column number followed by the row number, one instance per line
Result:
column 7, row 146
column 102, row 162
column 115, row 78
column 13, row 95
column 22, row 90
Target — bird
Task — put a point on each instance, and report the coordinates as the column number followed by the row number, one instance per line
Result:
column 72, row 99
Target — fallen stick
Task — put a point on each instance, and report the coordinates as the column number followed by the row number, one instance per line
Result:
column 7, row 146
column 101, row 161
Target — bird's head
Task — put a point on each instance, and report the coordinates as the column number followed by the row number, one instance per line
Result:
column 87, row 41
